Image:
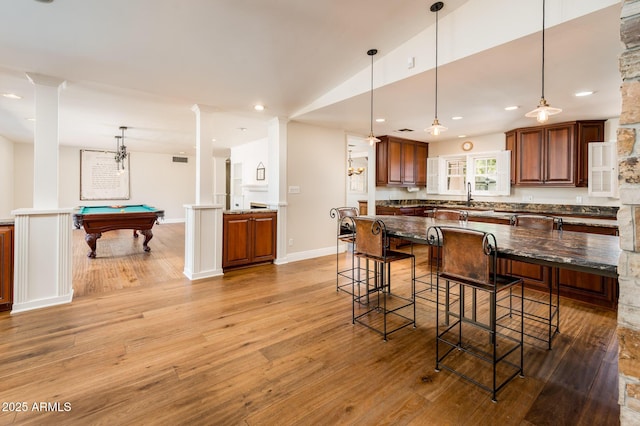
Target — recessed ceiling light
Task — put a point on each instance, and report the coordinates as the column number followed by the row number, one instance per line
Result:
column 242, row 129
column 585, row 93
column 31, row 119
column 258, row 107
column 380, row 120
column 462, row 136
column 511, row 108
column 214, row 140
column 457, row 117
column 11, row 96
column 44, row 1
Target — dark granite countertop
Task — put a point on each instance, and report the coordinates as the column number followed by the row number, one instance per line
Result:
column 6, row 221
column 248, row 211
column 580, row 251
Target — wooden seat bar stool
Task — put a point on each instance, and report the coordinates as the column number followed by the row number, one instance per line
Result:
column 345, row 234
column 378, row 308
column 469, row 261
column 550, row 319
column 426, row 283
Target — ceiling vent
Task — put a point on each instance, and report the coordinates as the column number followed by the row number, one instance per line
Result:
column 180, row 159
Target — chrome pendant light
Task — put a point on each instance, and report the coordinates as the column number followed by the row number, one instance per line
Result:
column 543, row 111
column 436, row 128
column 372, row 139
column 121, row 149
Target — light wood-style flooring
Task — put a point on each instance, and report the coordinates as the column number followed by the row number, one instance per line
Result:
column 268, row 345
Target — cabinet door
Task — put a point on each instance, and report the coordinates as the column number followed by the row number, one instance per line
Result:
column 264, row 232
column 382, row 161
column 408, row 163
column 422, row 152
column 560, row 151
column 394, row 163
column 530, row 157
column 236, row 238
column 6, row 267
column 587, row 132
column 590, row 288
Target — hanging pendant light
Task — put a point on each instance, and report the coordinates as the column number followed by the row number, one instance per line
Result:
column 436, row 128
column 372, row 139
column 543, row 111
column 121, row 149
column 352, row 170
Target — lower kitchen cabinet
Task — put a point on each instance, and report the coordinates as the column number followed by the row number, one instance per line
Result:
column 6, row 267
column 248, row 239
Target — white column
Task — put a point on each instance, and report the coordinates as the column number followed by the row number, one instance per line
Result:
column 203, row 220
column 277, row 175
column 42, row 262
column 45, row 145
column 42, row 265
column 203, row 241
column 204, row 154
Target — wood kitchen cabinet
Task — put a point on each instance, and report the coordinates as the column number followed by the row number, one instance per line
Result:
column 401, row 162
column 6, row 268
column 248, row 239
column 552, row 155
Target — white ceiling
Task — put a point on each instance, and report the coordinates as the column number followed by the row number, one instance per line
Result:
column 145, row 63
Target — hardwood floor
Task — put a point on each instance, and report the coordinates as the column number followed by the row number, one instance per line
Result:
column 141, row 344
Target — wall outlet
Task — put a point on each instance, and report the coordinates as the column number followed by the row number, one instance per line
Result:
column 411, row 62
column 290, row 242
column 527, row 198
column 579, row 199
column 294, row 190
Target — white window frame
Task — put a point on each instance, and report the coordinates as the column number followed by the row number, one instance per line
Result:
column 437, row 168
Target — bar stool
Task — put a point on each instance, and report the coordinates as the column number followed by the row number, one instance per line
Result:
column 450, row 214
column 425, row 283
column 552, row 309
column 378, row 308
column 345, row 234
column 469, row 260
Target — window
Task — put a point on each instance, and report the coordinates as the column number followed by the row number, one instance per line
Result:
column 488, row 173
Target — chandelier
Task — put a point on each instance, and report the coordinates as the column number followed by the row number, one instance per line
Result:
column 121, row 149
column 352, row 170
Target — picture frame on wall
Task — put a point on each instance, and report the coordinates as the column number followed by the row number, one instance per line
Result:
column 102, row 178
column 260, row 172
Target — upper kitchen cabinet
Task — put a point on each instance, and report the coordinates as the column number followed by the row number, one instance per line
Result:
column 553, row 155
column 401, row 162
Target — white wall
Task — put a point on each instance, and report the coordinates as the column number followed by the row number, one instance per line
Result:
column 316, row 164
column 155, row 180
column 496, row 142
column 6, row 178
column 250, row 155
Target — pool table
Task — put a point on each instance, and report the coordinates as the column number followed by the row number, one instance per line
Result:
column 99, row 219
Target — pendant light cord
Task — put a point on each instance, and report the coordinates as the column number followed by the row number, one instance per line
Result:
column 543, row 14
column 436, row 106
column 371, row 118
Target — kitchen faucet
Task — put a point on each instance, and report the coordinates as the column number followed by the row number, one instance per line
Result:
column 469, row 199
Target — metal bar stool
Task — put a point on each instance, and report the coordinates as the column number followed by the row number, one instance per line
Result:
column 469, row 261
column 378, row 308
column 345, row 235
column 552, row 308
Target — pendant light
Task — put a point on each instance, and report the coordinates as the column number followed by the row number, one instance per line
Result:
column 543, row 111
column 121, row 149
column 436, row 128
column 372, row 139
